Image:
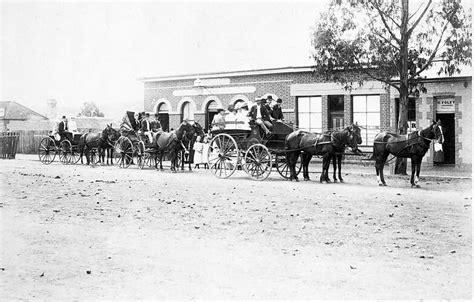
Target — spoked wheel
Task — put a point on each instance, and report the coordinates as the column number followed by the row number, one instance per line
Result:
column 47, row 150
column 284, row 169
column 223, row 155
column 258, row 162
column 75, row 155
column 65, row 152
column 140, row 154
column 123, row 152
column 146, row 162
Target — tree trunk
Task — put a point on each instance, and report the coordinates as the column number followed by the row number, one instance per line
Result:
column 401, row 163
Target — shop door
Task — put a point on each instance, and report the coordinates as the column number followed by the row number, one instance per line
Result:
column 449, row 131
column 165, row 121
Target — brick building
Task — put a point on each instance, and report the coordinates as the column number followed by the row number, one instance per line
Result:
column 314, row 104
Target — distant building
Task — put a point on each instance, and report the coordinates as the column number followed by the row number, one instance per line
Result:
column 13, row 114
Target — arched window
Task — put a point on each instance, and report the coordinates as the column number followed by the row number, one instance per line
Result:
column 163, row 116
column 187, row 112
column 211, row 110
column 163, row 108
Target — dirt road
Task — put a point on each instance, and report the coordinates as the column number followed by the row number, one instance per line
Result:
column 76, row 232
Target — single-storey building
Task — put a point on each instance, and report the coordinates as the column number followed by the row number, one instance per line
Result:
column 314, row 104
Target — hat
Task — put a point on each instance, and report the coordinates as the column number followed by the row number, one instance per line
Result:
column 64, row 116
column 147, row 114
column 264, row 100
column 269, row 97
column 279, row 101
column 230, row 107
column 157, row 115
column 220, row 109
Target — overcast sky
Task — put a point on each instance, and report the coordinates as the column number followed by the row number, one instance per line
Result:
column 89, row 51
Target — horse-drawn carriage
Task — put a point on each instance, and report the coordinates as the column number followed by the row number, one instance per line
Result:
column 67, row 148
column 130, row 144
column 251, row 151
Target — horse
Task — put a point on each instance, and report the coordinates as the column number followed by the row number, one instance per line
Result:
column 172, row 142
column 108, row 146
column 91, row 140
column 413, row 146
column 324, row 145
column 339, row 147
column 188, row 145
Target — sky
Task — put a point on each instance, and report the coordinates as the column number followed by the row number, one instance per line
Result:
column 89, row 51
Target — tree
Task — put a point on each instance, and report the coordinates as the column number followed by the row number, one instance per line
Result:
column 90, row 109
column 390, row 43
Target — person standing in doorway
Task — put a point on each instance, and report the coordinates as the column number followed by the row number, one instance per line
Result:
column 438, row 157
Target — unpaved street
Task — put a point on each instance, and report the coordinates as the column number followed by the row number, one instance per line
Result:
column 78, row 232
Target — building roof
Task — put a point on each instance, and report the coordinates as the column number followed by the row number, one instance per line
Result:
column 208, row 75
column 430, row 74
column 14, row 111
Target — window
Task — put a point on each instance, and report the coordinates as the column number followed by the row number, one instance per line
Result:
column 366, row 113
column 336, row 112
column 187, row 112
column 163, row 108
column 309, row 113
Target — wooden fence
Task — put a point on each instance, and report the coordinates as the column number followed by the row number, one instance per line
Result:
column 29, row 140
column 8, row 144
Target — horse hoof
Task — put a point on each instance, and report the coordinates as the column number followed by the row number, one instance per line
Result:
column 384, row 184
column 306, row 179
column 380, row 185
column 341, row 180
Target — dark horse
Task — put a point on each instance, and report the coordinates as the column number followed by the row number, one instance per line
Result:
column 324, row 145
column 172, row 142
column 414, row 146
column 97, row 140
column 107, row 148
column 339, row 147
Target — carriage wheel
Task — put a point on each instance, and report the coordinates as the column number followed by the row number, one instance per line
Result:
column 47, row 150
column 140, row 154
column 65, row 151
column 258, row 162
column 146, row 162
column 223, row 155
column 284, row 169
column 75, row 155
column 123, row 152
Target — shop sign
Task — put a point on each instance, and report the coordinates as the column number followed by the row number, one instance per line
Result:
column 445, row 105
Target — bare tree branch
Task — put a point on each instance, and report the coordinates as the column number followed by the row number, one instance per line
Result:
column 419, row 7
column 435, row 51
column 419, row 18
column 381, row 14
column 364, row 70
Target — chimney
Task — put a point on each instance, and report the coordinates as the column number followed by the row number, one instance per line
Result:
column 52, row 111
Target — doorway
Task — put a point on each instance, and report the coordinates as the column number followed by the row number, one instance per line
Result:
column 449, row 131
column 164, row 116
column 211, row 111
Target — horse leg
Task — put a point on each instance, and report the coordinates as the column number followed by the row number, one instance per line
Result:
column 325, row 173
column 334, row 166
column 306, row 160
column 292, row 158
column 383, row 160
column 339, row 164
column 418, row 167
column 87, row 154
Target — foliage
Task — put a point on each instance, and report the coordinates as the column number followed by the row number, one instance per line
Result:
column 90, row 109
column 368, row 36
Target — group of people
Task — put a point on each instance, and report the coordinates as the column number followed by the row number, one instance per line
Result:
column 65, row 129
column 264, row 112
column 146, row 126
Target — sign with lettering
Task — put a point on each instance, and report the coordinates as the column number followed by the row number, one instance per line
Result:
column 445, row 105
column 211, row 82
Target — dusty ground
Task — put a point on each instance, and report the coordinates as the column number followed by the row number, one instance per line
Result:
column 149, row 235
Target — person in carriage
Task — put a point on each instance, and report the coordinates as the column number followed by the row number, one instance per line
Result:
column 277, row 112
column 156, row 124
column 260, row 115
column 63, row 130
column 145, row 129
column 218, row 122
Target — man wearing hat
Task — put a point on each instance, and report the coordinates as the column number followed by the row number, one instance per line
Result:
column 218, row 122
column 277, row 112
column 155, row 125
column 231, row 117
column 260, row 115
column 269, row 105
column 63, row 129
column 145, row 127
